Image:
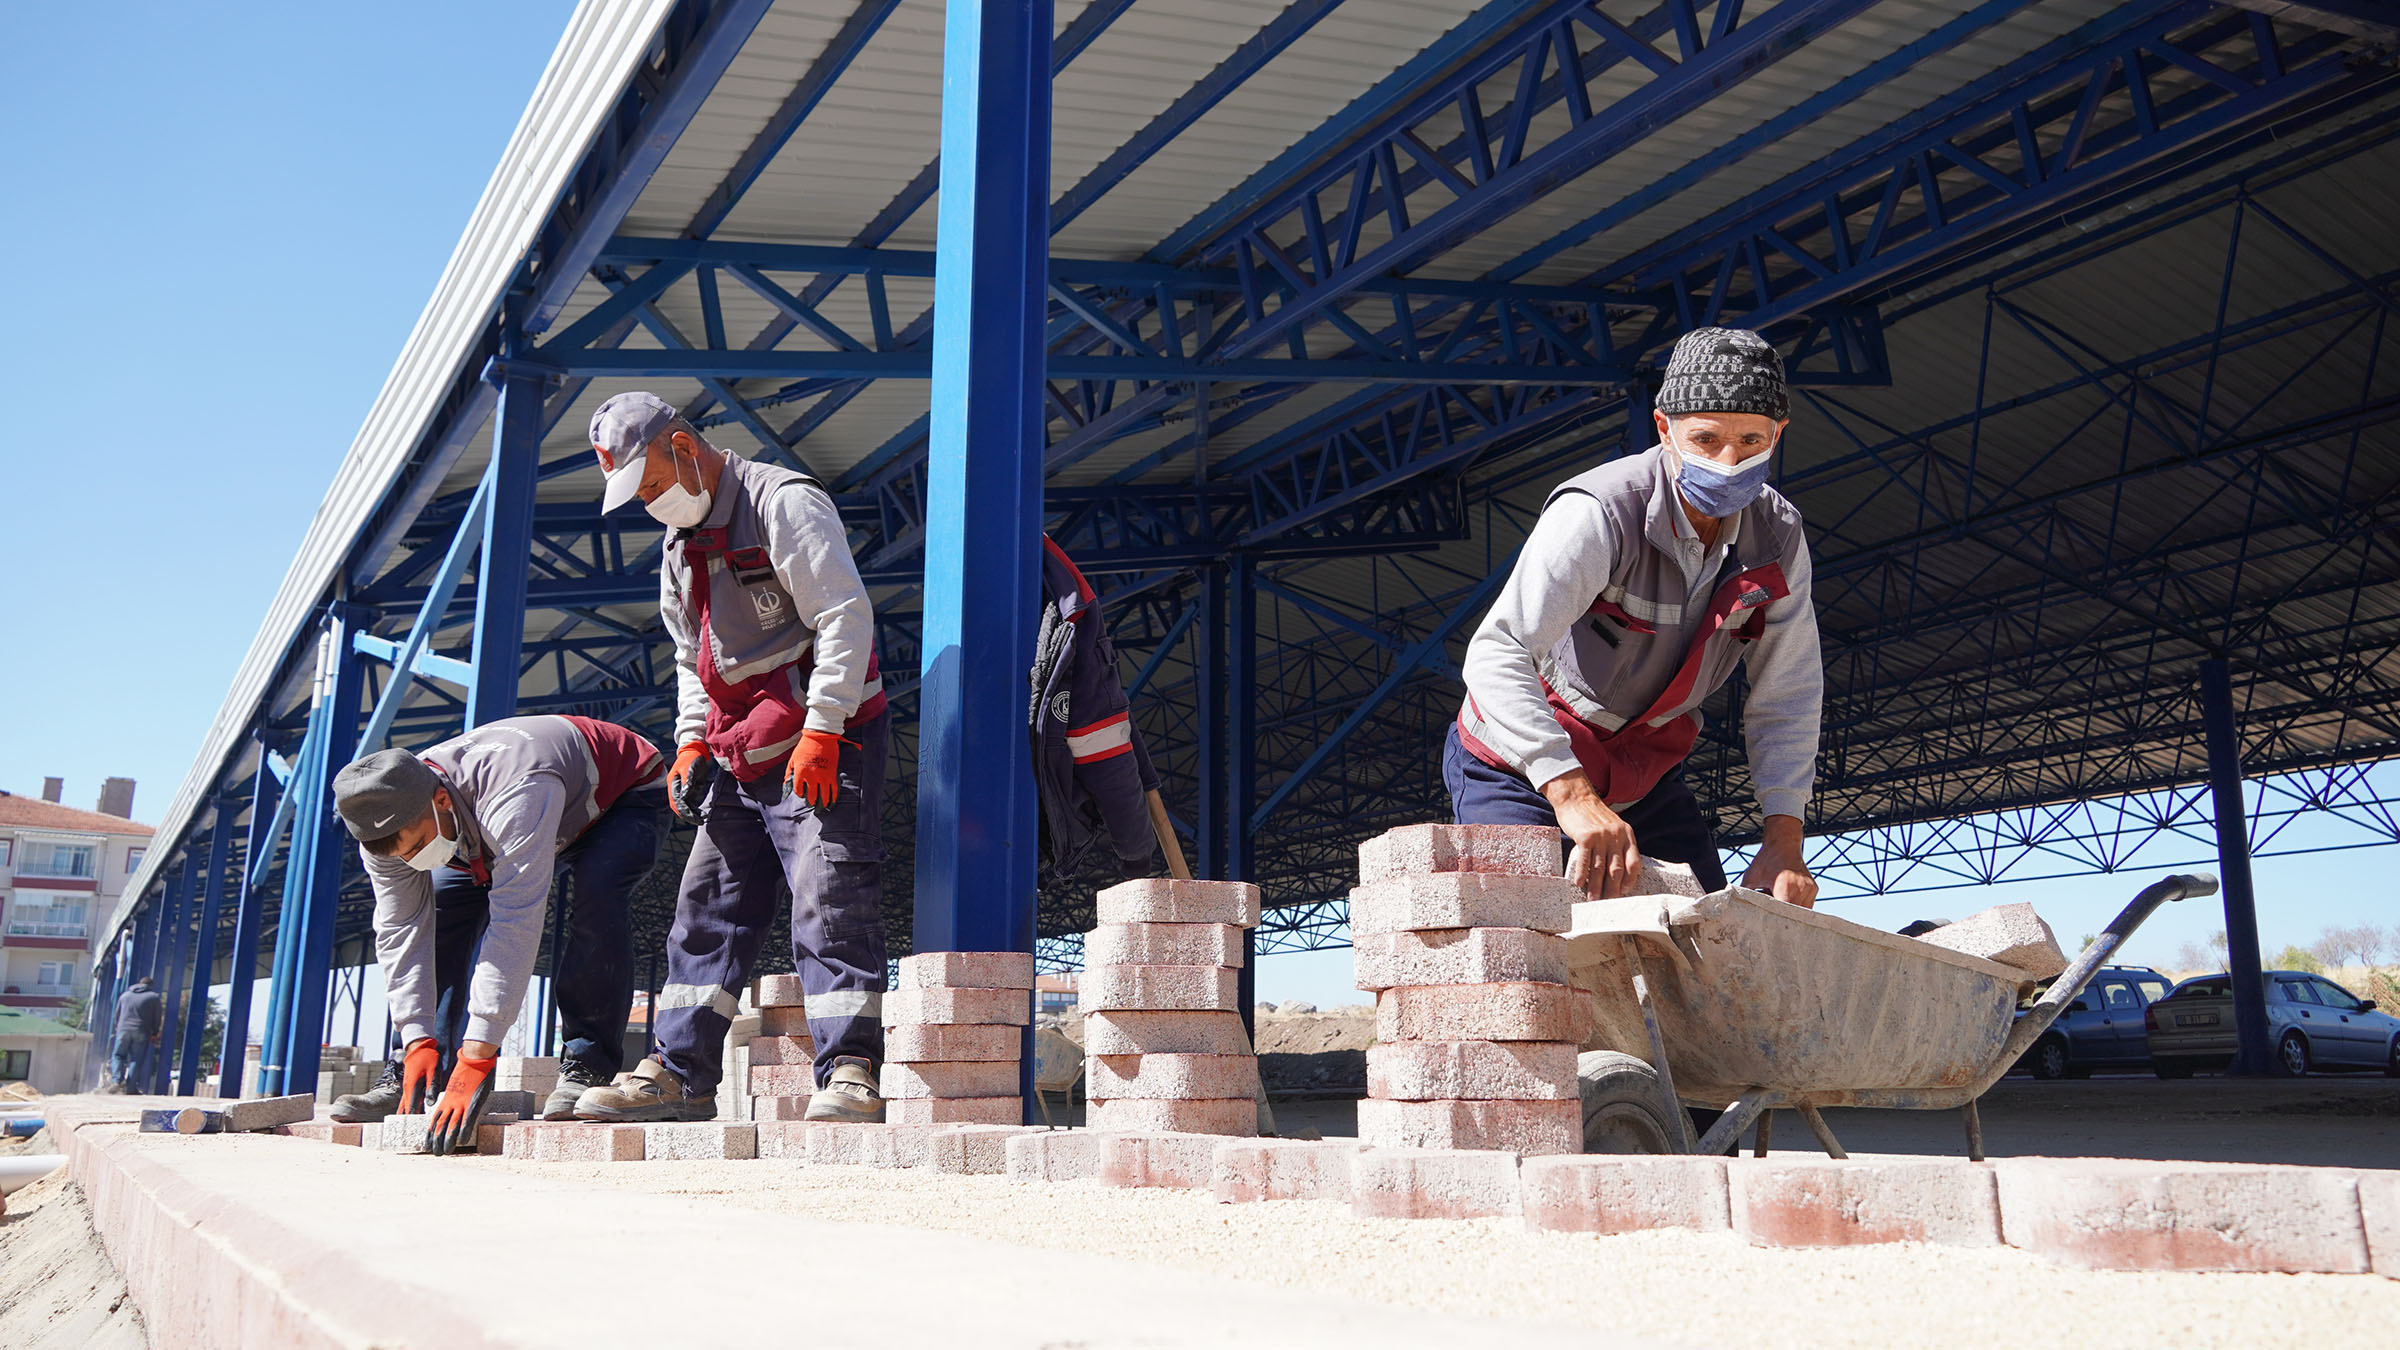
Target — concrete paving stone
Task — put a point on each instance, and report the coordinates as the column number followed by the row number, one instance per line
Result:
column 1416, row 850
column 1282, row 1169
column 967, row 970
column 975, row 1150
column 586, row 1141
column 1517, row 1126
column 1174, row 1159
column 2012, row 935
column 328, row 1132
column 961, row 1078
column 516, row 1139
column 1236, row 1116
column 957, row 1007
column 1171, row 1077
column 1827, row 1202
column 765, row 1109
column 2112, row 1214
column 513, row 1102
column 1166, row 900
column 265, row 1113
column 400, row 1134
column 1482, row 1012
column 1163, row 944
column 2379, row 1213
column 1463, row 900
column 1459, row 956
column 525, row 1073
column 698, row 1141
column 1055, row 1155
column 778, row 1050
column 1164, row 1033
column 889, row 1144
column 782, row 1080
column 949, row 1045
column 1596, row 1193
column 777, row 991
column 1008, row 1110
column 1433, row 1183
column 491, row 1137
column 785, row 1021
column 1419, row 1071
column 785, row 1140
column 1158, row 989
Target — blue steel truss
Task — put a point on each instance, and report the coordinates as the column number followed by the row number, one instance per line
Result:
column 2015, row 592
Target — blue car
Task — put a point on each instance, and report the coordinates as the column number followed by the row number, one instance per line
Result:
column 2312, row 1024
column 2104, row 1028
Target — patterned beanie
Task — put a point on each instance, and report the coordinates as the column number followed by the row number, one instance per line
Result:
column 1723, row 370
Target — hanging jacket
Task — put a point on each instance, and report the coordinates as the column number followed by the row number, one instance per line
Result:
column 779, row 636
column 1617, row 623
column 1092, row 770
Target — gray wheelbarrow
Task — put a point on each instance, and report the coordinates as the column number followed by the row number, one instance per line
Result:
column 1738, row 1002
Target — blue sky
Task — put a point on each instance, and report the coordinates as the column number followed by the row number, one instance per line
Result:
column 226, row 220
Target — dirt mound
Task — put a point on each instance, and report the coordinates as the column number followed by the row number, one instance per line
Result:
column 1315, row 1032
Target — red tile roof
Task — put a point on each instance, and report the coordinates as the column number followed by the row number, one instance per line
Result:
column 34, row 813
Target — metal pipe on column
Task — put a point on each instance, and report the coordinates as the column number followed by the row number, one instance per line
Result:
column 204, row 948
column 2233, row 868
column 328, row 850
column 242, row 974
column 976, row 815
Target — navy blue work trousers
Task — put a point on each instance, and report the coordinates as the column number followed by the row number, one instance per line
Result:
column 591, row 963
column 1668, row 824
column 755, row 841
column 129, row 1061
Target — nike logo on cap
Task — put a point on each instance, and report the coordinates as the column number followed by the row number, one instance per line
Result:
column 383, row 822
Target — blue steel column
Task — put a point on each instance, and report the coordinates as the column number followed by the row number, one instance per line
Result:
column 507, row 549
column 100, row 1018
column 328, row 848
column 175, row 946
column 1241, row 743
column 2233, row 868
column 242, row 962
column 1208, row 723
column 976, row 814
column 204, row 947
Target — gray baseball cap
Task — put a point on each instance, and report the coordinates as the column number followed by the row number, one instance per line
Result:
column 383, row 793
column 622, row 429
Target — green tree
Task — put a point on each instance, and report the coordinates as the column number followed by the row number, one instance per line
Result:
column 212, row 1034
column 2295, row 957
column 74, row 1013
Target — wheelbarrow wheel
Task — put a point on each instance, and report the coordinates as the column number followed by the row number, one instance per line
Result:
column 1621, row 1105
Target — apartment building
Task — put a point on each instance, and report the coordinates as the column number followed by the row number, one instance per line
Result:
column 62, row 873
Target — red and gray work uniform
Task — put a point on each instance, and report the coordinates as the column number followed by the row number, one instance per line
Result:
column 773, row 635
column 528, row 793
column 1614, row 626
column 1093, row 771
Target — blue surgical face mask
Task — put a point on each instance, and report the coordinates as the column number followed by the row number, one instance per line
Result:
column 1721, row 490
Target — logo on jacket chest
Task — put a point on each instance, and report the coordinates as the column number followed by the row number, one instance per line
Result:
column 755, row 573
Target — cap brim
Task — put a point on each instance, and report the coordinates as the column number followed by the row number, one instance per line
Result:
column 624, row 484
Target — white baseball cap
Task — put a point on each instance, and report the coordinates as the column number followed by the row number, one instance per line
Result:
column 622, row 429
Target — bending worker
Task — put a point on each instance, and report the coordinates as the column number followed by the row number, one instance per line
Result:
column 1642, row 586
column 461, row 844
column 782, row 732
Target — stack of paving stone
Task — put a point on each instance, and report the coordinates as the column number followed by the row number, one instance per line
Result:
column 1162, row 1034
column 1456, row 931
column 777, row 1063
column 954, row 1038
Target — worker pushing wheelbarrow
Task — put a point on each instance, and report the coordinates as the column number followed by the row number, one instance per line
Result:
column 1737, row 1002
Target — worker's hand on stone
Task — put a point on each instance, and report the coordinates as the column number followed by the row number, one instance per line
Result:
column 1781, row 868
column 452, row 1129
column 1606, row 861
column 418, row 1064
column 810, row 775
column 688, row 780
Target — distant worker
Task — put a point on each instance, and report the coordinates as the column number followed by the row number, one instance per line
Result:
column 1090, row 767
column 461, row 845
column 141, row 1017
column 782, row 734
column 1643, row 584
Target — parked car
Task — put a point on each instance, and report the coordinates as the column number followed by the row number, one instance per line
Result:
column 2312, row 1023
column 2102, row 1028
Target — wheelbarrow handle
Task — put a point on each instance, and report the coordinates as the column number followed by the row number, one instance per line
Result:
column 2063, row 990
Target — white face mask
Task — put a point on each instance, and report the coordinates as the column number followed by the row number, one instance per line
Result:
column 437, row 852
column 680, row 508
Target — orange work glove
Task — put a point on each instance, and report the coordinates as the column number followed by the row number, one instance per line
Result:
column 809, row 774
column 418, row 1064
column 452, row 1129
column 687, row 782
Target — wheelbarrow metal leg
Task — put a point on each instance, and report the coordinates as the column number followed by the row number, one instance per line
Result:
column 1824, row 1134
column 1974, row 1132
column 1766, row 1131
column 1727, row 1132
column 1677, row 1119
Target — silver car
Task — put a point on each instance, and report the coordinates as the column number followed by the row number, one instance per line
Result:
column 2312, row 1023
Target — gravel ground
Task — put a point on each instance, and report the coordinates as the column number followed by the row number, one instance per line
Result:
column 1682, row 1287
column 58, row 1289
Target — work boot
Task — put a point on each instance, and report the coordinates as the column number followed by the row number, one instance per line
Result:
column 848, row 1095
column 649, row 1091
column 574, row 1079
column 363, row 1108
